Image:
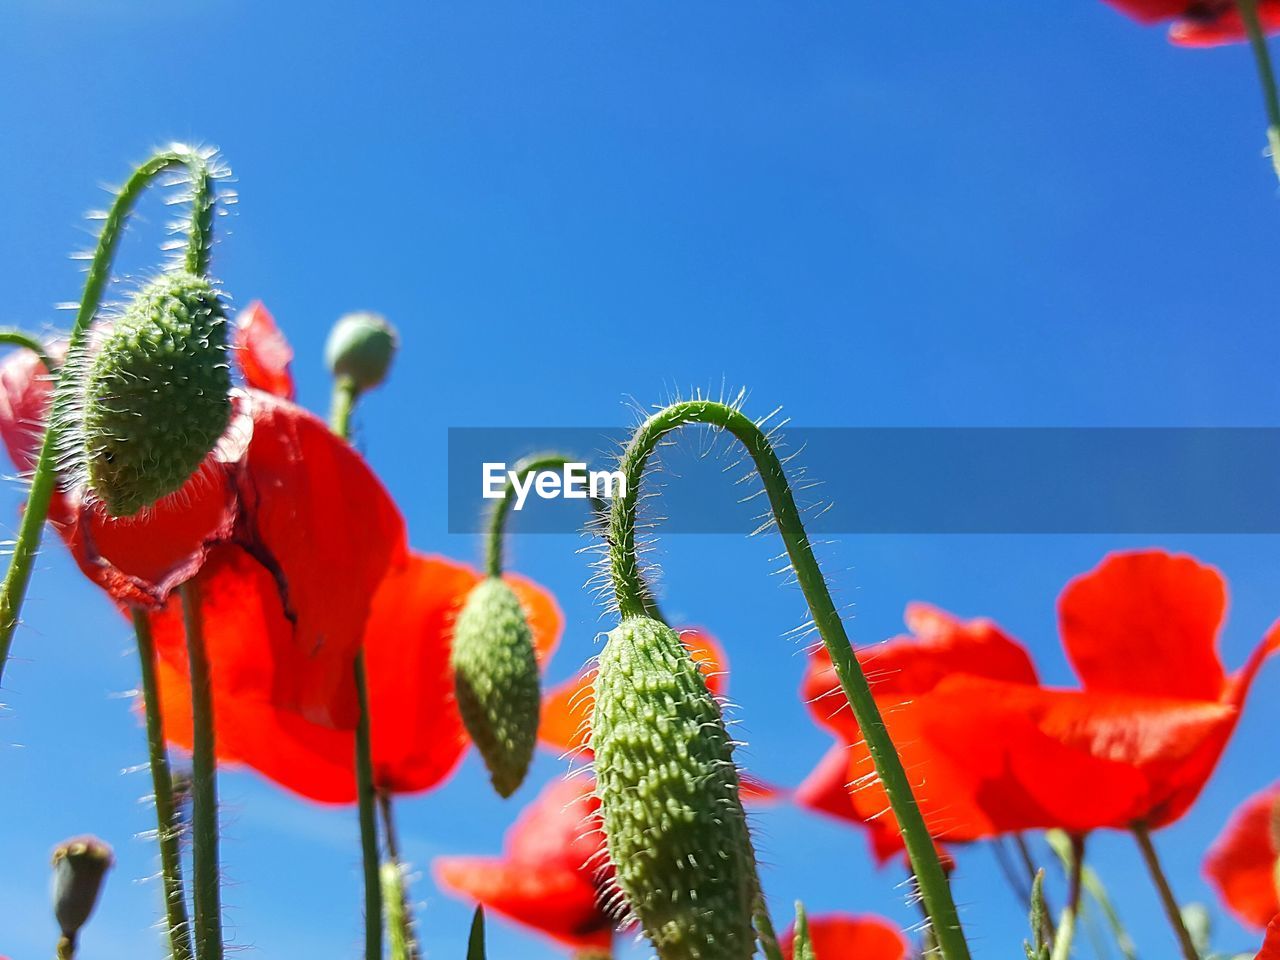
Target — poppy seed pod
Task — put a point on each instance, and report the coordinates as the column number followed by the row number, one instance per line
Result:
column 79, row 865
column 361, row 347
column 156, row 397
column 669, row 793
column 496, row 680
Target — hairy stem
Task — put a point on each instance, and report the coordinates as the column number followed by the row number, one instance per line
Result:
column 628, row 584
column 340, row 411
column 204, row 784
column 768, row 937
column 1029, row 864
column 1266, row 76
column 1067, row 924
column 200, row 240
column 1169, row 901
column 399, row 915
column 167, row 831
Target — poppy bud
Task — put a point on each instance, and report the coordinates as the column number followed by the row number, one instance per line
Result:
column 496, row 680
column 669, row 794
column 156, row 397
column 802, row 945
column 79, row 865
column 360, row 348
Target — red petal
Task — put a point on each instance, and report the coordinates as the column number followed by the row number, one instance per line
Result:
column 561, row 827
column 1271, row 942
column 1146, row 623
column 838, row 936
column 567, row 708
column 263, row 352
column 1226, row 27
column 314, row 514
column 910, row 665
column 1242, row 862
column 827, row 790
column 25, row 390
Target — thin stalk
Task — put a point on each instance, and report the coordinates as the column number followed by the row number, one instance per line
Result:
column 167, row 832
column 1067, row 923
column 400, row 921
column 43, row 479
column 765, row 933
column 1170, row 902
column 629, row 588
column 204, row 784
column 1029, row 864
column 1266, row 76
column 343, row 405
column 502, row 509
column 20, row 338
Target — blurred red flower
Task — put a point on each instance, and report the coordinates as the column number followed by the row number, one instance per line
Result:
column 839, row 936
column 1271, row 942
column 291, row 508
column 417, row 733
column 1200, row 23
column 263, row 351
column 554, row 875
column 993, row 754
column 1241, row 864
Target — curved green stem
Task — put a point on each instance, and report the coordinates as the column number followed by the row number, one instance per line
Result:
column 628, row 586
column 502, row 509
column 340, row 411
column 20, row 338
column 1266, row 75
column 1067, row 923
column 204, row 784
column 1167, row 899
column 199, row 242
column 167, row 833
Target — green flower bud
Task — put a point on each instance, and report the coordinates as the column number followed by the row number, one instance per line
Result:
column 673, row 818
column 361, row 347
column 156, row 397
column 79, row 866
column 496, row 678
column 802, row 945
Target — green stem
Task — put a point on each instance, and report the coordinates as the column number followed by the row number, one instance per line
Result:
column 1029, row 864
column 765, row 932
column 167, row 832
column 340, row 411
column 1266, row 75
column 1067, row 924
column 1170, row 902
column 204, row 784
column 31, row 527
column 20, row 338
column 400, row 919
column 66, row 949
column 629, row 588
column 502, row 509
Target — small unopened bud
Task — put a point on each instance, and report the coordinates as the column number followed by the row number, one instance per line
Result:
column 156, row 397
column 79, row 866
column 669, row 793
column 802, row 943
column 361, row 347
column 496, row 679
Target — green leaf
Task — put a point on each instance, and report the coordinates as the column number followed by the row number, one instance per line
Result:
column 475, row 944
column 802, row 948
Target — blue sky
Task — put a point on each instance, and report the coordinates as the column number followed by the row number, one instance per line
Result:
column 874, row 214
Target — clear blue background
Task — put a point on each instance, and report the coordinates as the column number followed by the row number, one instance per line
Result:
column 936, row 213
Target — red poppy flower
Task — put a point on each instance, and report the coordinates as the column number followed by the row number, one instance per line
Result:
column 901, row 670
column 1271, row 942
column 1242, row 862
column 1200, row 23
column 840, row 936
column 417, row 734
column 291, row 507
column 1135, row 745
column 554, row 875
column 263, row 351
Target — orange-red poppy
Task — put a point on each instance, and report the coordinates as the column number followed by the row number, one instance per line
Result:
column 291, row 508
column 553, row 877
column 1136, row 744
column 417, row 734
column 1200, row 23
column 1242, row 862
column 1271, row 942
column 841, row 936
column 263, row 352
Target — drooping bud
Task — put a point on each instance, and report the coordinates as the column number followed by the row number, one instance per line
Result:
column 673, row 818
column 361, row 347
column 79, row 866
column 496, row 679
column 156, row 397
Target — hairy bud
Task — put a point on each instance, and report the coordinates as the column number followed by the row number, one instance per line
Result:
column 496, row 679
column 668, row 789
column 802, row 944
column 156, row 397
column 361, row 347
column 79, row 866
